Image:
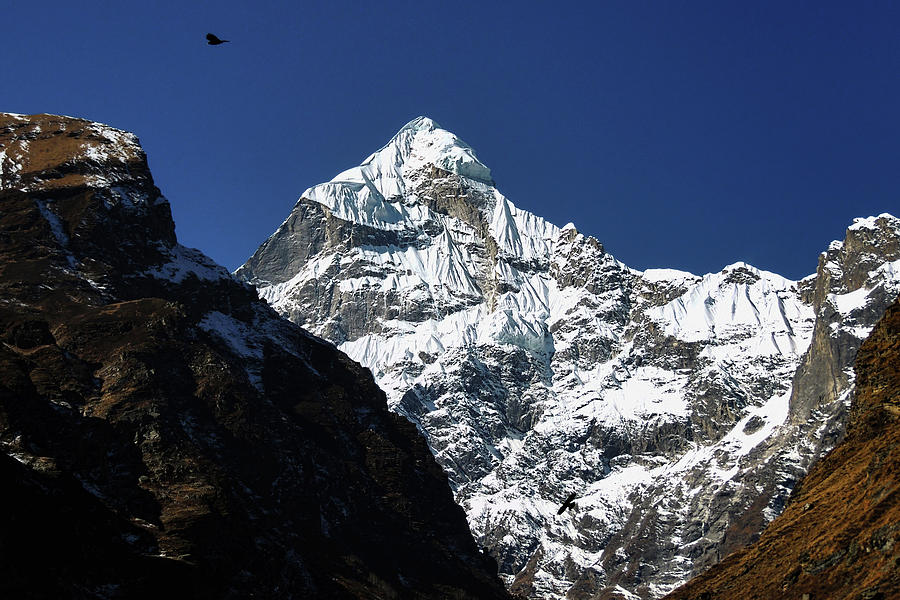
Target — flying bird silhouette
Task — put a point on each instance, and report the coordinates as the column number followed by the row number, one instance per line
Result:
column 569, row 503
column 212, row 40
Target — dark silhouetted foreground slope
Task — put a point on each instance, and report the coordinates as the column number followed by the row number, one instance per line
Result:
column 164, row 432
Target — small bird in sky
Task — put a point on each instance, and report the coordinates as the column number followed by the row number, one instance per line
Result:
column 212, row 40
column 569, row 503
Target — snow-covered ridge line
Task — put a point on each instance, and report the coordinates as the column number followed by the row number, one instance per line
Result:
column 720, row 303
column 860, row 223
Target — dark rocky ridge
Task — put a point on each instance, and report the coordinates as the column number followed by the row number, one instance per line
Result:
column 843, row 268
column 164, row 432
column 838, row 536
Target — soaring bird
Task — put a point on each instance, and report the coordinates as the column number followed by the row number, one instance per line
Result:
column 212, row 40
column 569, row 503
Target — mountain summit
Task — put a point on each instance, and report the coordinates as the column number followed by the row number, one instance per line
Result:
column 365, row 194
column 681, row 409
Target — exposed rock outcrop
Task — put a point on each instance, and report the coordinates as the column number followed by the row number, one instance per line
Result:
column 839, row 537
column 165, row 433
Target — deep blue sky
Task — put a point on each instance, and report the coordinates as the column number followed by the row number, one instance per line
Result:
column 680, row 134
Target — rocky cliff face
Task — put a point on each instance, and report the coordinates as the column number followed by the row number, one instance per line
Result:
column 847, row 295
column 675, row 406
column 837, row 538
column 164, row 432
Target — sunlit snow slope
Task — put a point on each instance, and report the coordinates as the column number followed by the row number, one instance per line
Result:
column 537, row 365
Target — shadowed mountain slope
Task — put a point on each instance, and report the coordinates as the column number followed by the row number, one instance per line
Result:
column 165, row 432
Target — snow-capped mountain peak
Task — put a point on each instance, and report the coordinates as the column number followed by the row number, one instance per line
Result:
column 371, row 193
column 423, row 142
column 537, row 364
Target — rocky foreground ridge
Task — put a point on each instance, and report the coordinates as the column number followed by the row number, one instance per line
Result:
column 165, row 434
column 680, row 409
column 839, row 537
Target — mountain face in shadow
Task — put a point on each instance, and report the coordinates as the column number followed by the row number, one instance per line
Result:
column 838, row 536
column 165, row 432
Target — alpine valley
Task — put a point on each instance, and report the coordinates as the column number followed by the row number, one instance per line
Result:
column 680, row 409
